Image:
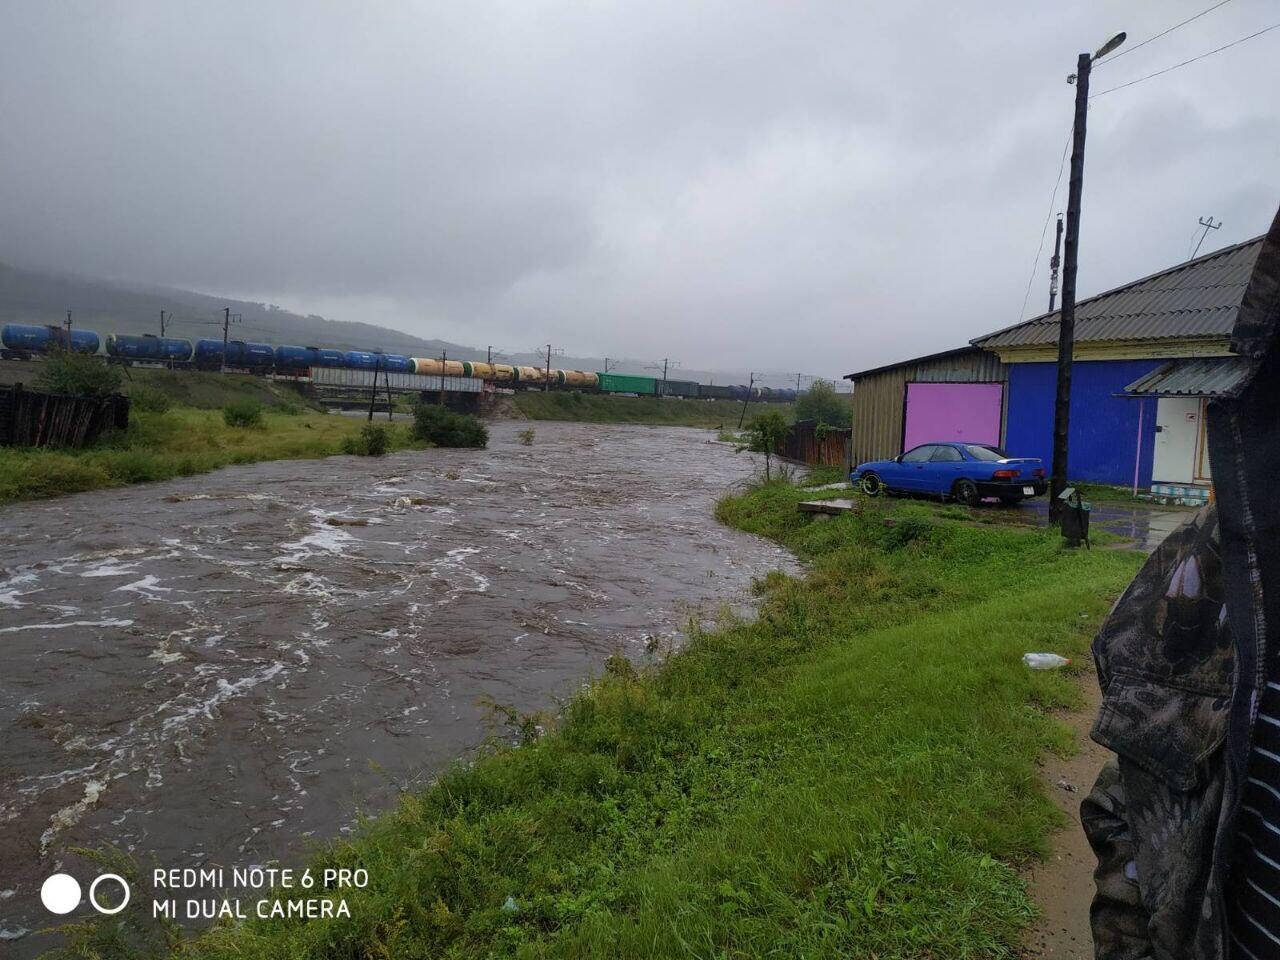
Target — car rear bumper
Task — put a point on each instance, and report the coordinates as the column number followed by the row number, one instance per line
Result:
column 1012, row 488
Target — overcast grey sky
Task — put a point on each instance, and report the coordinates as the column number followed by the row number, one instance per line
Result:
column 818, row 186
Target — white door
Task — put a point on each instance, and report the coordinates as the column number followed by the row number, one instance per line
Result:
column 1177, row 440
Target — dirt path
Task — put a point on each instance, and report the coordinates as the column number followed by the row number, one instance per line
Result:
column 1063, row 884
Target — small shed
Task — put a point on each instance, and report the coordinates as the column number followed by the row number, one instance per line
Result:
column 954, row 395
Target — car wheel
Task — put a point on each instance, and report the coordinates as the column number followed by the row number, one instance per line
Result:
column 965, row 492
column 870, row 485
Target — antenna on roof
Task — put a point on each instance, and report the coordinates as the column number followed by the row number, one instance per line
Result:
column 1208, row 225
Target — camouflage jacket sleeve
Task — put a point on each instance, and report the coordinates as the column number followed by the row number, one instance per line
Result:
column 1117, row 916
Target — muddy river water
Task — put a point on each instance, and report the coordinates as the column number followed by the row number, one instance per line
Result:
column 216, row 669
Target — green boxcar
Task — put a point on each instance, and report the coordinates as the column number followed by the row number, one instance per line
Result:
column 623, row 383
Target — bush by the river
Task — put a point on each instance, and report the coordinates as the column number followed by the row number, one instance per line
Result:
column 242, row 413
column 444, row 428
column 373, row 440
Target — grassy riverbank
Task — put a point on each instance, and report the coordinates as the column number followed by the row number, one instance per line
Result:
column 604, row 408
column 176, row 443
column 852, row 774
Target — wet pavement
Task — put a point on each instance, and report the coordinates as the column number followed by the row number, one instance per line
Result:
column 1144, row 525
column 219, row 669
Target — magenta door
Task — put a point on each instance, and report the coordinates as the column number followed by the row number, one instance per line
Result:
column 953, row 411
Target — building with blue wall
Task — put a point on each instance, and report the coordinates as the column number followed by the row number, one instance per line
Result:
column 1131, row 343
column 1105, row 428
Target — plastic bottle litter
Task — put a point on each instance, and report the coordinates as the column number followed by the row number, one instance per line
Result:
column 1044, row 661
column 510, row 906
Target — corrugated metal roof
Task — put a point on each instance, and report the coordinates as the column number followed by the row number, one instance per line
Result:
column 1198, row 298
column 1201, row 377
column 927, row 358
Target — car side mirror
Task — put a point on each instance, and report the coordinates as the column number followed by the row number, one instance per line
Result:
column 898, row 458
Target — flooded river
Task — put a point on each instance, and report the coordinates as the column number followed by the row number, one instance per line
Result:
column 213, row 670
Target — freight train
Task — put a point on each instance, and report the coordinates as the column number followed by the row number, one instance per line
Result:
column 22, row 341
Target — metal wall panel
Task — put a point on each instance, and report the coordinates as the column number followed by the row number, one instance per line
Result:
column 343, row 377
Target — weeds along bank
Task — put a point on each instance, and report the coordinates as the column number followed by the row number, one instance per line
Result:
column 660, row 411
column 852, row 774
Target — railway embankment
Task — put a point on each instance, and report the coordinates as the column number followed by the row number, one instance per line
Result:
column 852, row 773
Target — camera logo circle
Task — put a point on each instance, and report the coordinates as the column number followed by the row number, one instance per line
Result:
column 93, row 890
column 60, row 893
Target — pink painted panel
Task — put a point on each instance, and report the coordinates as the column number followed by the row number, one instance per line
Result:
column 953, row 411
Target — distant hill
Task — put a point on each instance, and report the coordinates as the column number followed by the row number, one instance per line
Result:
column 30, row 296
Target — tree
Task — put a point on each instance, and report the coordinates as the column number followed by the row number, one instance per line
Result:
column 765, row 435
column 821, row 402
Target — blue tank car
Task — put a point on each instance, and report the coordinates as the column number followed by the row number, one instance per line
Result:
column 30, row 338
column 257, row 355
column 396, row 363
column 360, row 360
column 296, row 358
column 149, row 347
column 330, row 358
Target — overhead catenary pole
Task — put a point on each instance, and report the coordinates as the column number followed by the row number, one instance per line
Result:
column 1071, row 254
column 546, row 384
column 1054, row 264
column 747, row 399
column 373, row 394
column 226, row 326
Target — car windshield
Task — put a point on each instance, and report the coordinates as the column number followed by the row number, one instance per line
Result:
column 981, row 452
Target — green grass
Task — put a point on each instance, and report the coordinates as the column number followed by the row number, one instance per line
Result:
column 603, row 408
column 177, row 443
column 851, row 774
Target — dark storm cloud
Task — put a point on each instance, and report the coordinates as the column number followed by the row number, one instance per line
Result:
column 817, row 186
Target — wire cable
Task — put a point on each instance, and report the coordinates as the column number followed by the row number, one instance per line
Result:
column 1035, row 267
column 1165, row 33
column 1209, row 53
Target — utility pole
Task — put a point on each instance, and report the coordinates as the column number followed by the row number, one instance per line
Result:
column 68, row 321
column 444, row 358
column 747, row 399
column 1071, row 256
column 489, row 351
column 1054, row 264
column 162, row 323
column 798, row 383
column 606, row 365
column 373, row 394
column 1208, row 225
column 546, row 384
column 226, row 327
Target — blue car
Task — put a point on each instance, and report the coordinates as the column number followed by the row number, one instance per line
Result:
column 966, row 472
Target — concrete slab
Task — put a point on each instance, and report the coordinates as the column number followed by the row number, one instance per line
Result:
column 828, row 506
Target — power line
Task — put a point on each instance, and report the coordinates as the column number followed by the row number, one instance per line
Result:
column 1035, row 267
column 1225, row 46
column 1165, row 33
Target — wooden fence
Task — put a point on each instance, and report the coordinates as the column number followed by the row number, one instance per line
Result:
column 31, row 419
column 817, row 444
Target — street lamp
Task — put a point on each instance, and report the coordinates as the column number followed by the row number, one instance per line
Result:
column 1067, row 322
